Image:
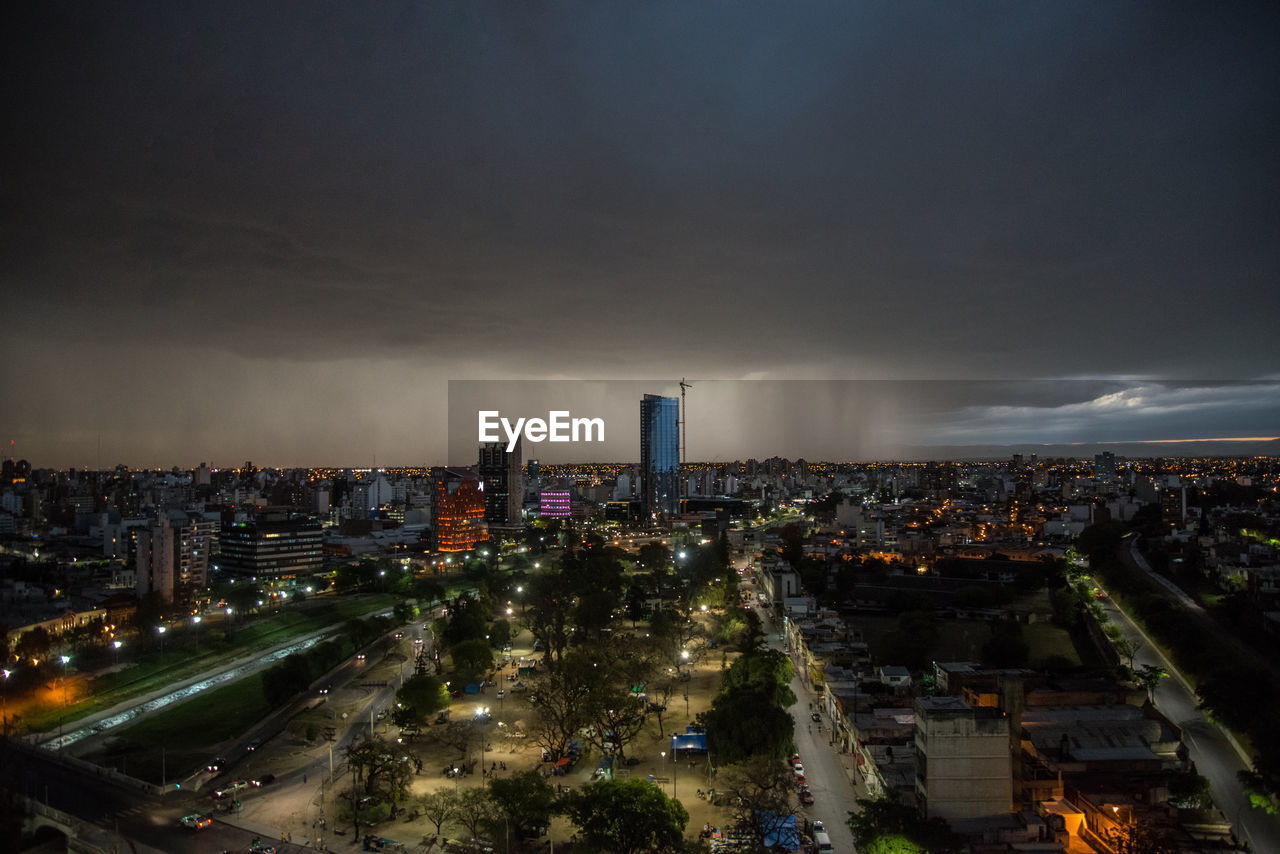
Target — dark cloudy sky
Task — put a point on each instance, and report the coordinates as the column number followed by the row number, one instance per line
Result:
column 274, row 231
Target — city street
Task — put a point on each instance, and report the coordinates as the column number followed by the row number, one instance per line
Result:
column 833, row 794
column 1216, row 758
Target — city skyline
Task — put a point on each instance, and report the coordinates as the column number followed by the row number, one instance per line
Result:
column 279, row 233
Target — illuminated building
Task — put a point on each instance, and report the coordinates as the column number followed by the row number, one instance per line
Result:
column 457, row 510
column 554, row 504
column 173, row 555
column 502, row 474
column 273, row 545
column 659, row 456
column 1104, row 467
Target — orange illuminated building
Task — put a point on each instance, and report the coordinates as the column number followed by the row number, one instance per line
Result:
column 458, row 512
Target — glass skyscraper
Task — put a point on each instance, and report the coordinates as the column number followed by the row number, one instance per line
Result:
column 659, row 456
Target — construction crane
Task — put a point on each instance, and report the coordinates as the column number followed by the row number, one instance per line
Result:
column 684, row 429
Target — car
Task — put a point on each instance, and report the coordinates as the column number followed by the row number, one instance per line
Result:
column 264, row 780
column 501, row 693
column 215, row 764
column 399, row 635
column 800, row 780
column 818, row 826
column 817, row 717
column 798, row 768
column 196, row 821
column 261, row 848
column 806, row 797
column 253, row 745
column 360, row 656
column 325, row 689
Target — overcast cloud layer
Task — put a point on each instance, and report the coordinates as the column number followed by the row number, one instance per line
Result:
column 274, row 231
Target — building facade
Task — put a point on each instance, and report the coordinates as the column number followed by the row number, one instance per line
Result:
column 502, row 474
column 457, row 512
column 173, row 555
column 273, row 546
column 659, row 456
column 963, row 764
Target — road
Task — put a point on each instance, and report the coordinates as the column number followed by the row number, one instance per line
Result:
column 138, row 823
column 1216, row 758
column 833, row 794
column 150, row 823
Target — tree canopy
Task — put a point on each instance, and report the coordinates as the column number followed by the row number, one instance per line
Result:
column 626, row 817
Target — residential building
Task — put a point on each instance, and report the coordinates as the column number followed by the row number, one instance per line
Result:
column 963, row 765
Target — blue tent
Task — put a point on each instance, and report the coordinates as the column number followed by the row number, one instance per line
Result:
column 779, row 830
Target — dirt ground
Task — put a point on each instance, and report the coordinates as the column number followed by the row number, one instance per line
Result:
column 519, row 754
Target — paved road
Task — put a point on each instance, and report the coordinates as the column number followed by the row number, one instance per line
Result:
column 1213, row 753
column 833, row 794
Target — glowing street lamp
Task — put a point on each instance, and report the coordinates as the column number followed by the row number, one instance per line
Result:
column 160, row 631
column 4, row 705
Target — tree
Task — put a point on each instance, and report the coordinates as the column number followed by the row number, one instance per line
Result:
column 527, row 800
column 759, row 793
column 895, row 827
column 466, row 621
column 438, row 807
column 476, row 810
column 749, row 717
column 472, row 659
column 500, row 633
column 627, row 817
column 382, row 768
column 1190, row 791
column 34, row 643
column 1149, row 676
column 559, row 697
column 654, row 557
column 550, row 602
column 422, row 697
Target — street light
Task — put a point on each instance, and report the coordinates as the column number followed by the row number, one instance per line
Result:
column 675, row 768
column 4, row 705
column 115, row 651
column 160, row 631
column 65, row 659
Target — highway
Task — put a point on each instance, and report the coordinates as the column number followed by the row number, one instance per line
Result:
column 1215, row 756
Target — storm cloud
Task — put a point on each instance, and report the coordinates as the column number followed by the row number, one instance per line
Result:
column 275, row 231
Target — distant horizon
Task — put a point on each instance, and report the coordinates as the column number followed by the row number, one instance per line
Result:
column 979, row 453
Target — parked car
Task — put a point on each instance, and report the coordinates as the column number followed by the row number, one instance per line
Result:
column 817, row 717
column 806, row 797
